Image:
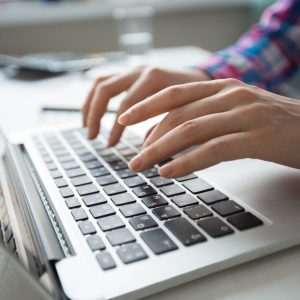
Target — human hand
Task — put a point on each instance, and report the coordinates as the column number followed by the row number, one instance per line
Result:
column 225, row 119
column 139, row 83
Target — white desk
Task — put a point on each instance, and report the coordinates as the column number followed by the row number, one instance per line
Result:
column 273, row 277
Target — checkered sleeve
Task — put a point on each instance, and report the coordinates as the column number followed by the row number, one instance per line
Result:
column 268, row 54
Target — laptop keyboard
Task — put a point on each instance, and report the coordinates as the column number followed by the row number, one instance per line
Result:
column 104, row 195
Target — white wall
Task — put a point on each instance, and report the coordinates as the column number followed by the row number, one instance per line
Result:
column 212, row 28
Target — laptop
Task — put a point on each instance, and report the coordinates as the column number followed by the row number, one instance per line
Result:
column 87, row 227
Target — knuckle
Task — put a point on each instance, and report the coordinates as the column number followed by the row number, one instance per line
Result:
column 216, row 148
column 173, row 92
column 189, row 127
column 241, row 92
column 232, row 81
column 259, row 109
column 102, row 88
column 153, row 72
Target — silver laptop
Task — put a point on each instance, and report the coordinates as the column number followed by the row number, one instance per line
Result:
column 89, row 228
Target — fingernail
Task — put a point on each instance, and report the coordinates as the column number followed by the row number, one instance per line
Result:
column 135, row 163
column 166, row 170
column 124, row 119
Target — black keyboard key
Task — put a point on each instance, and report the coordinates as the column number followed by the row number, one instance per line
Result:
column 60, row 152
column 161, row 163
column 122, row 199
column 186, row 233
column 212, row 197
column 244, row 221
column 87, row 157
column 110, row 223
column 81, row 150
column 120, row 236
column 184, row 200
column 81, row 180
column 215, row 227
column 60, row 182
column 66, row 192
column 87, row 189
column 172, row 190
column 95, row 242
column 72, row 202
column 79, row 214
column 111, row 159
column 166, row 212
column 187, row 177
column 131, row 253
column 98, row 172
column 75, row 172
column 102, row 210
column 127, row 152
column 56, row 174
column 197, row 212
column 154, row 201
column 226, row 208
column 130, row 157
column 149, row 173
column 134, row 181
column 70, row 165
column 158, row 241
column 161, row 181
column 106, row 152
column 105, row 180
column 121, row 146
column 65, row 158
column 126, row 173
column 47, row 159
column 132, row 210
column 142, row 222
column 197, row 186
column 87, row 227
column 114, row 189
column 51, row 166
column 120, row 165
column 93, row 164
column 94, row 199
column 144, row 190
column 105, row 260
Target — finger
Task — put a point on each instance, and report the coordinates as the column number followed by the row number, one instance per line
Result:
column 149, row 132
column 85, row 108
column 225, row 148
column 190, row 133
column 143, row 87
column 169, row 99
column 210, row 105
column 103, row 93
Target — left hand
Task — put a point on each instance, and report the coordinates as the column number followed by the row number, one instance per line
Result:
column 225, row 119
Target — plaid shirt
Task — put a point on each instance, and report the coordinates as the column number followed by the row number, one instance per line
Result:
column 268, row 54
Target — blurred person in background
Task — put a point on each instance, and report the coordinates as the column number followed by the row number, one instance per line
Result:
column 229, row 108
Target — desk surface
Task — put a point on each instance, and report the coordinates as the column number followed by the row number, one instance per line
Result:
column 276, row 276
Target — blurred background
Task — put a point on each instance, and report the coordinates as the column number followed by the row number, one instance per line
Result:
column 89, row 26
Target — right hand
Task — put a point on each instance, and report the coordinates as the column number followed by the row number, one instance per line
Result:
column 139, row 83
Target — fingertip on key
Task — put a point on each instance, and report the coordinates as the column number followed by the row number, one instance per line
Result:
column 124, row 119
